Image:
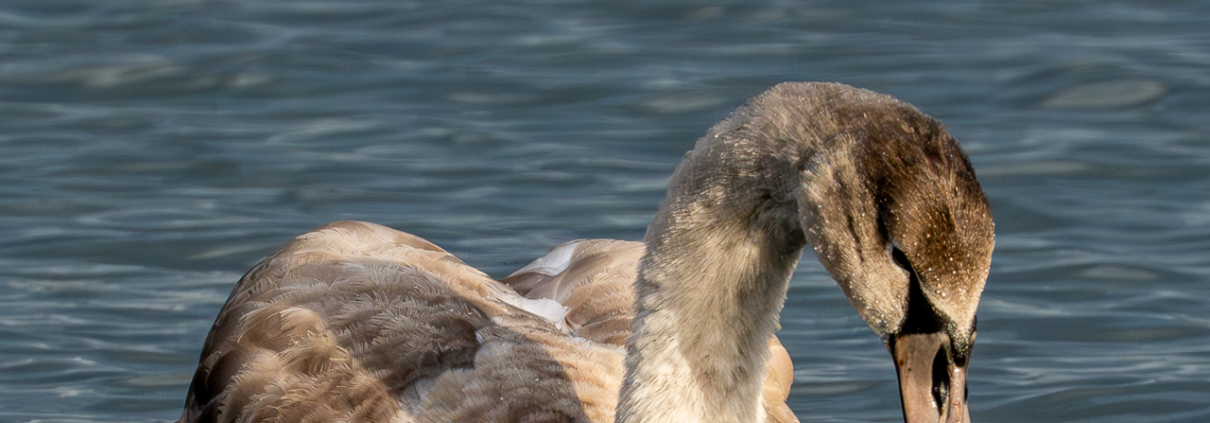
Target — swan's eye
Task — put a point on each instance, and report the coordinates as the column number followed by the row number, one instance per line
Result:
column 900, row 258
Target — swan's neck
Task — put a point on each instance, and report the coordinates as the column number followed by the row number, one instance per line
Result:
column 709, row 293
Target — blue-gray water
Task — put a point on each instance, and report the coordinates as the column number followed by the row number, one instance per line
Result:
column 151, row 151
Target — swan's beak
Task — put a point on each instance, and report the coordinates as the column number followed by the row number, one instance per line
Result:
column 931, row 385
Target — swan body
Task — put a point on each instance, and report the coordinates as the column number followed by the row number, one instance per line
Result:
column 357, row 322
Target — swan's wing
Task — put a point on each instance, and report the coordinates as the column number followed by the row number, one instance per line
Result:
column 595, row 278
column 357, row 322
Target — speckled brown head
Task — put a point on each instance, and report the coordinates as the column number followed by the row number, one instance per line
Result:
column 933, row 217
column 938, row 228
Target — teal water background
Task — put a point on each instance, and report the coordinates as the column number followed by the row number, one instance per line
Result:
column 152, row 151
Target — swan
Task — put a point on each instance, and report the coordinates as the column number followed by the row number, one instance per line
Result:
column 356, row 322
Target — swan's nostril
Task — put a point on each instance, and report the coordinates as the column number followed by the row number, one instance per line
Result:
column 941, row 379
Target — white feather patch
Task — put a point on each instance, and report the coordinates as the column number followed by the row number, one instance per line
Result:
column 554, row 262
column 547, row 309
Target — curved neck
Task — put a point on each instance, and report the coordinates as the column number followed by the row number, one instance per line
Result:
column 856, row 173
column 710, row 290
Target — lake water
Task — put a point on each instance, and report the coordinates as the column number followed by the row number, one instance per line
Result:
column 152, row 151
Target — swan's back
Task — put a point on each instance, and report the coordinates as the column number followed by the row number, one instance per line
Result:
column 357, row 322
column 594, row 279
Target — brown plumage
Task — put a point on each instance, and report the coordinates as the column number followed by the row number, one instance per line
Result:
column 359, row 322
column 356, row 322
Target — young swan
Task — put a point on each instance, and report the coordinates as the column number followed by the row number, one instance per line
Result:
column 358, row 322
column 892, row 208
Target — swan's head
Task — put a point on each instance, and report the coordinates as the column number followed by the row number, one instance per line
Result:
column 935, row 232
column 892, row 208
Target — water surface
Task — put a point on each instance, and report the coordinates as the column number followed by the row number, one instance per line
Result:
column 154, row 150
